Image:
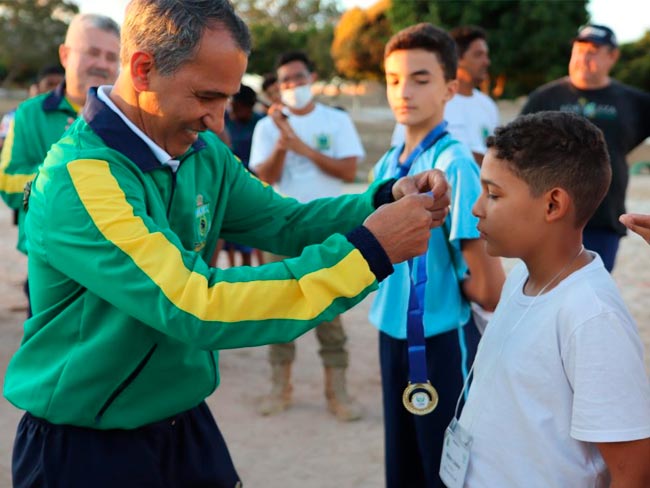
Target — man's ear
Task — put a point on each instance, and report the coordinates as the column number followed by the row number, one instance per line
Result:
column 63, row 54
column 142, row 66
column 558, row 204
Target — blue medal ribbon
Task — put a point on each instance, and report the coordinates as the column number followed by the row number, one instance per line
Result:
column 414, row 321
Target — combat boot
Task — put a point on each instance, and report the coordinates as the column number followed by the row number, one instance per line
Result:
column 339, row 403
column 279, row 399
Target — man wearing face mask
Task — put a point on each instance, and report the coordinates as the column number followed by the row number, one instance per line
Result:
column 307, row 150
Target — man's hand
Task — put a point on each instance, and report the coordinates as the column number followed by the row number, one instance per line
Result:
column 289, row 141
column 638, row 223
column 432, row 182
column 403, row 227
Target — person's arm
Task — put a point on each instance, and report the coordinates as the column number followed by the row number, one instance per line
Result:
column 478, row 157
column 270, row 169
column 638, row 223
column 343, row 168
column 628, row 463
column 107, row 243
column 268, row 151
column 18, row 161
column 485, row 280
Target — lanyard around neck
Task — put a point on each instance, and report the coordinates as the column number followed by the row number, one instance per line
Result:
column 418, row 376
column 429, row 140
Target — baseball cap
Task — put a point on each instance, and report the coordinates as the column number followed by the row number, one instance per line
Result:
column 598, row 34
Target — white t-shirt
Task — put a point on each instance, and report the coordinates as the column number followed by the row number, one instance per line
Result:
column 472, row 119
column 554, row 375
column 329, row 131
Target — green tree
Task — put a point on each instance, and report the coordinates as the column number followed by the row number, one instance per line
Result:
column 282, row 25
column 359, row 39
column 30, row 33
column 406, row 13
column 529, row 39
column 633, row 67
column 289, row 14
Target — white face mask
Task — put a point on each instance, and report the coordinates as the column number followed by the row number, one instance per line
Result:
column 298, row 97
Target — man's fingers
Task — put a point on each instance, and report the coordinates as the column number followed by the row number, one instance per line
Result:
column 638, row 223
column 434, row 181
column 438, row 217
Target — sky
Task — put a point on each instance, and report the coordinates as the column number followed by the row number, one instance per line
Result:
column 618, row 15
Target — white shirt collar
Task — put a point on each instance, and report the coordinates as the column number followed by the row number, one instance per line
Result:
column 161, row 155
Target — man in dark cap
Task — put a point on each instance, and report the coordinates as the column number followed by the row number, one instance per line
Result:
column 620, row 111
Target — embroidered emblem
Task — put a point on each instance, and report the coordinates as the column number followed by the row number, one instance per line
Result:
column 201, row 223
column 323, row 142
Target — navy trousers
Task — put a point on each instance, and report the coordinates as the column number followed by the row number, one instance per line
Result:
column 184, row 451
column 413, row 444
column 604, row 242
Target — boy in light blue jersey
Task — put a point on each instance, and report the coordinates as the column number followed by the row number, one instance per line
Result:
column 420, row 64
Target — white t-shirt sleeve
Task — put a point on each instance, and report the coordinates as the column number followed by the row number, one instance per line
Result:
column 265, row 136
column 347, row 143
column 604, row 365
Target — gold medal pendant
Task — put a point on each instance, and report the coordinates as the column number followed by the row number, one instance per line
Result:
column 420, row 398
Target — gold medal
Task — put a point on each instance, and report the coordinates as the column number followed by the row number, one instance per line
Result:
column 420, row 398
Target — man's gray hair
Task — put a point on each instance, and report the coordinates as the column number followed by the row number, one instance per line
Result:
column 170, row 30
column 97, row 21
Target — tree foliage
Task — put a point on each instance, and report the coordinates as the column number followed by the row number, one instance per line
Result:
column 404, row 14
column 633, row 67
column 288, row 14
column 529, row 39
column 269, row 41
column 359, row 39
column 282, row 25
column 30, row 33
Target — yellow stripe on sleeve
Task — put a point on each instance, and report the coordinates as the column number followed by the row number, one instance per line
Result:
column 11, row 183
column 162, row 262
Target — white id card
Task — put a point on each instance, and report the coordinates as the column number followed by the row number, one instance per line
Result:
column 455, row 455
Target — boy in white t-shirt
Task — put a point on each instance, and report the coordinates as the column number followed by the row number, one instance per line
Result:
column 560, row 397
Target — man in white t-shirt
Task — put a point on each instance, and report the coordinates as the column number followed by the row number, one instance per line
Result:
column 307, row 150
column 472, row 115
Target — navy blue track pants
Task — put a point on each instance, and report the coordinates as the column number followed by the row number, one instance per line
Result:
column 184, row 451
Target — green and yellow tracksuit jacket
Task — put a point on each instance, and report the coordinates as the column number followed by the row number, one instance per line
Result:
column 39, row 122
column 128, row 317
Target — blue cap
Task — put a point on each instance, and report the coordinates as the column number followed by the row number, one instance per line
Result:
column 597, row 34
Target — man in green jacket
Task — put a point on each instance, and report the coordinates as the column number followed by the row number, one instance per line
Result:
column 125, row 213
column 90, row 55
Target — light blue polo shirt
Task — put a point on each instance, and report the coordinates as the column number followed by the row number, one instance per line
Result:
column 444, row 306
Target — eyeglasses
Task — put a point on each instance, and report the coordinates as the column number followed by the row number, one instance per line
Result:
column 297, row 78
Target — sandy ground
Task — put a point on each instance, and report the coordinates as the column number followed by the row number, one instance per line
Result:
column 304, row 446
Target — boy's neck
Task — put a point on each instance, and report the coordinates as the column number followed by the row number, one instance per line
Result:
column 547, row 269
column 415, row 133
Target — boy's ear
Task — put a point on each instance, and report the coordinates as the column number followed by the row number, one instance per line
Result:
column 557, row 203
column 452, row 88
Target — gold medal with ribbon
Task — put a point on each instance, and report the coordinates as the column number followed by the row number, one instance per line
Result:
column 420, row 398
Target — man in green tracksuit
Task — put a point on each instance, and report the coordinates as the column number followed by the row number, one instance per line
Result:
column 123, row 216
column 89, row 55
